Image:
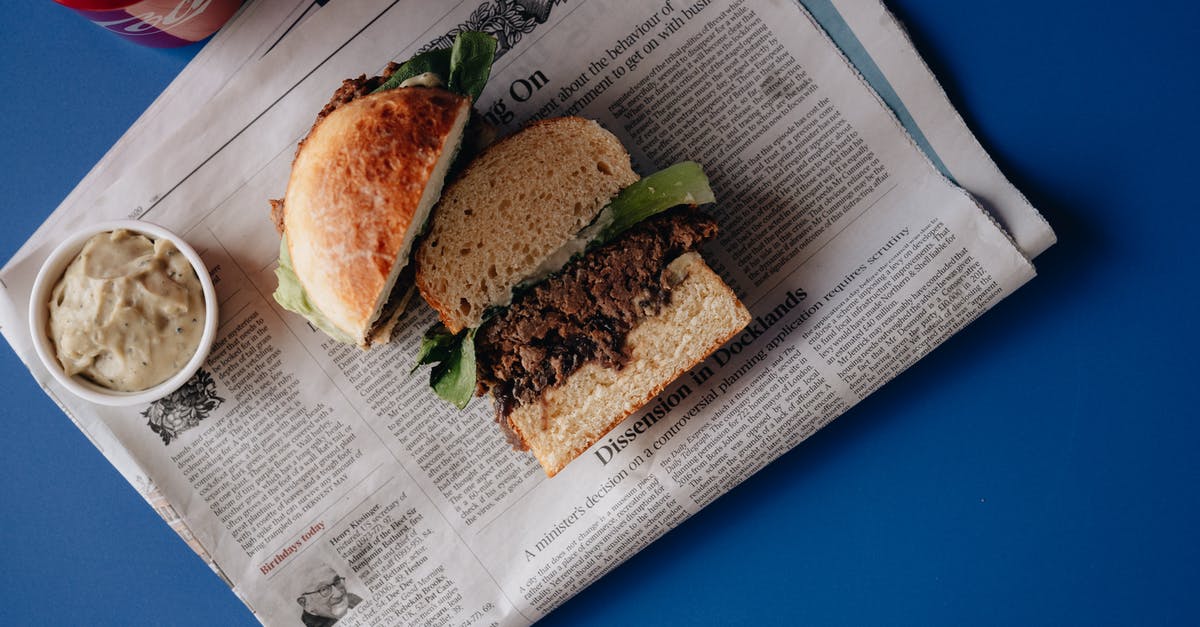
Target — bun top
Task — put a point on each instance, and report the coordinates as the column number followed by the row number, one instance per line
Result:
column 362, row 182
column 516, row 206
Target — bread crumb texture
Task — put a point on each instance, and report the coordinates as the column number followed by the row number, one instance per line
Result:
column 517, row 204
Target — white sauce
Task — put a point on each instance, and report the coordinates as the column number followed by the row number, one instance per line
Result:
column 556, row 260
column 680, row 267
column 128, row 312
column 559, row 258
column 428, row 79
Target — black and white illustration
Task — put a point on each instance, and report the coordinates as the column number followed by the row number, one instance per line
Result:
column 506, row 20
column 184, row 408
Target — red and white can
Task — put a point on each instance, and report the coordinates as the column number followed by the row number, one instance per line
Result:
column 157, row 23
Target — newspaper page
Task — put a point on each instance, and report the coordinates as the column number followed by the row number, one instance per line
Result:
column 301, row 463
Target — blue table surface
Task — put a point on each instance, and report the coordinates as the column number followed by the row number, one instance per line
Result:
column 1039, row 468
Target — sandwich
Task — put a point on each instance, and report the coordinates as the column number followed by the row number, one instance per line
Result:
column 568, row 289
column 363, row 184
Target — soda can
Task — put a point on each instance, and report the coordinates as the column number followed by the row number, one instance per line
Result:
column 157, row 23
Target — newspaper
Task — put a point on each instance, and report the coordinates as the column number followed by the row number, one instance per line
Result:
column 297, row 462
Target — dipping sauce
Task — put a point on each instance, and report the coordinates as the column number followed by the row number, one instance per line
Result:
column 127, row 313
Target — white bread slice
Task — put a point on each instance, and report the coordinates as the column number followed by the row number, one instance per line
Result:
column 515, row 206
column 703, row 314
column 362, row 185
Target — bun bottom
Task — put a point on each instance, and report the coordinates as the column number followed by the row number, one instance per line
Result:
column 703, row 314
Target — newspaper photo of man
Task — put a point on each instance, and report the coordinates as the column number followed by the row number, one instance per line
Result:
column 324, row 598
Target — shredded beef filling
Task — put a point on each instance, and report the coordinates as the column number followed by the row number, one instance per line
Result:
column 585, row 312
column 356, row 88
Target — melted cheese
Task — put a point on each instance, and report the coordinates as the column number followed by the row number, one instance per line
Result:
column 428, row 79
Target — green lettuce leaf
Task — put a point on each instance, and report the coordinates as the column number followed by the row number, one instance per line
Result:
column 292, row 297
column 471, row 63
column 464, row 68
column 453, row 359
column 436, row 346
column 681, row 184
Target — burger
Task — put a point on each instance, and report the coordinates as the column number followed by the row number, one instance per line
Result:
column 364, row 182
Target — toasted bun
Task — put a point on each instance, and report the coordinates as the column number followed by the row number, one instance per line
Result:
column 703, row 314
column 362, row 185
column 516, row 205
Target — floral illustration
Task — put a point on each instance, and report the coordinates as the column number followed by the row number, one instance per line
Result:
column 506, row 20
column 184, row 408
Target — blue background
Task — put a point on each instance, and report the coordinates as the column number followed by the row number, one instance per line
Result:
column 1039, row 468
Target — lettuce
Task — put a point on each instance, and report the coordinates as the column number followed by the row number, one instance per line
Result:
column 453, row 359
column 463, row 68
column 291, row 296
column 471, row 63
column 681, row 184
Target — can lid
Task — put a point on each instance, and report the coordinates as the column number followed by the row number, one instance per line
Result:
column 96, row 5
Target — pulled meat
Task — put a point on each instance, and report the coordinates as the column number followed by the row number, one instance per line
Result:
column 584, row 313
column 353, row 88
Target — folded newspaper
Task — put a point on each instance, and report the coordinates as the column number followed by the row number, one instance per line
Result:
column 862, row 225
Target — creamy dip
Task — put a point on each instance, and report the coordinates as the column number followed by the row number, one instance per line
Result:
column 128, row 312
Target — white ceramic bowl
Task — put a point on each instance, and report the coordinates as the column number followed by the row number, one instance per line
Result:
column 39, row 314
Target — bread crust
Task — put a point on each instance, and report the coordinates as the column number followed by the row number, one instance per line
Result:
column 356, row 184
column 703, row 315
